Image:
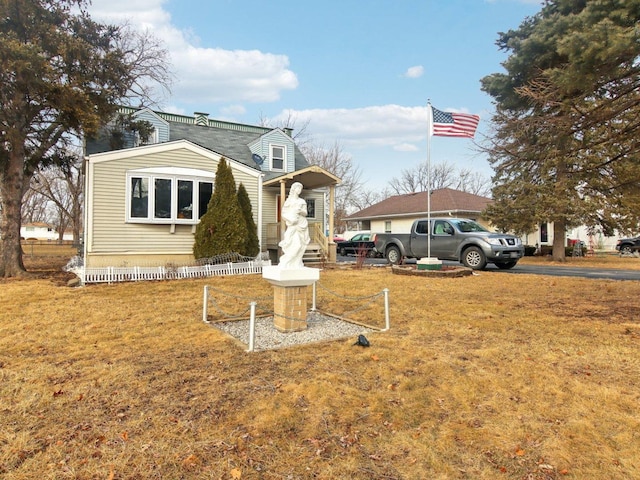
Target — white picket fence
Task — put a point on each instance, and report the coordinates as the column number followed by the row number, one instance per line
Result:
column 167, row 272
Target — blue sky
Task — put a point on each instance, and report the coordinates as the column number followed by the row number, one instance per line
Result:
column 361, row 72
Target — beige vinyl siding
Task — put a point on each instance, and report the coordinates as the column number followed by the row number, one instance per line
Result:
column 111, row 234
column 269, row 208
column 398, row 225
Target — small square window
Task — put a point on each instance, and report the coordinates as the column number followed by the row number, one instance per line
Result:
column 277, row 157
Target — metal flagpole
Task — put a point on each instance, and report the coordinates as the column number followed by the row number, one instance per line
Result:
column 429, row 123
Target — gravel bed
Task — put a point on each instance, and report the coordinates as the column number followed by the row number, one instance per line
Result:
column 319, row 328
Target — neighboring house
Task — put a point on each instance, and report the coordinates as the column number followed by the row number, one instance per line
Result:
column 42, row 231
column 142, row 203
column 543, row 236
column 396, row 214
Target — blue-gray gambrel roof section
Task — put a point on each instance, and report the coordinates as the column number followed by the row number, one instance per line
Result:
column 231, row 140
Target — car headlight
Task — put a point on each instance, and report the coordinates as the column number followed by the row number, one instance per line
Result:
column 493, row 241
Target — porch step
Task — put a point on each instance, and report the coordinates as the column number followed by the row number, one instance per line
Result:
column 313, row 254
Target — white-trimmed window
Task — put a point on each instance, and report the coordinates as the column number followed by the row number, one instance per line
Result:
column 278, row 154
column 168, row 195
column 154, row 137
column 311, row 207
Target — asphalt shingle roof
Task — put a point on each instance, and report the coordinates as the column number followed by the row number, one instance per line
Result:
column 232, row 142
column 443, row 200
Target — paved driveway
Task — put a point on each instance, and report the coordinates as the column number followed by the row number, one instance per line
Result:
column 587, row 272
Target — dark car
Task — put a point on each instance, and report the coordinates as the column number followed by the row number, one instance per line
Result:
column 360, row 244
column 628, row 245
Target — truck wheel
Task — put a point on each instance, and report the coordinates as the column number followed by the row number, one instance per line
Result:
column 626, row 249
column 393, row 255
column 474, row 258
column 506, row 265
column 343, row 252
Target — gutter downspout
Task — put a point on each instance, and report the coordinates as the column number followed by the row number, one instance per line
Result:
column 87, row 202
column 260, row 205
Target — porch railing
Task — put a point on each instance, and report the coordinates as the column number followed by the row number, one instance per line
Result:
column 315, row 232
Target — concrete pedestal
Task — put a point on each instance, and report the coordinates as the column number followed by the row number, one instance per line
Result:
column 429, row 263
column 290, row 295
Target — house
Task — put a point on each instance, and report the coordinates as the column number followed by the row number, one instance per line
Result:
column 396, row 214
column 42, row 231
column 143, row 202
column 593, row 240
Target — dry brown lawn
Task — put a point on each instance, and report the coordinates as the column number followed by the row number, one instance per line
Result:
column 483, row 377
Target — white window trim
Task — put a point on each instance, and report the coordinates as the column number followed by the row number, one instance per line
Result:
column 284, row 157
column 167, row 173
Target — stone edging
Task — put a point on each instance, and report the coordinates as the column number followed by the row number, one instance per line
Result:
column 447, row 272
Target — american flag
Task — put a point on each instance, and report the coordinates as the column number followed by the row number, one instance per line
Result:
column 449, row 124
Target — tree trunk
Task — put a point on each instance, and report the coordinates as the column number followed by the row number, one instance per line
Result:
column 559, row 232
column 11, row 190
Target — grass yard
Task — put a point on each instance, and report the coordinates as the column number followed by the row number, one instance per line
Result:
column 482, row 377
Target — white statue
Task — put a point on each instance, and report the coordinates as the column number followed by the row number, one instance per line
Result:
column 296, row 236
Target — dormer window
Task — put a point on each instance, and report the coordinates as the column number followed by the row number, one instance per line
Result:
column 154, row 137
column 278, row 154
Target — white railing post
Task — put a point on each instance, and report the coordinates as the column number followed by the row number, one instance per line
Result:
column 386, row 309
column 313, row 300
column 205, row 304
column 252, row 326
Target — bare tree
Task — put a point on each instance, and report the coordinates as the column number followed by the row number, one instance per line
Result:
column 62, row 188
column 335, row 160
column 473, row 182
column 34, row 208
column 366, row 198
column 149, row 73
column 443, row 175
column 300, row 133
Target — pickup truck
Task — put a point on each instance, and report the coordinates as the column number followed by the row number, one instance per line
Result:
column 457, row 239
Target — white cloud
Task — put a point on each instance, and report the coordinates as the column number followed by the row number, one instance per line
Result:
column 203, row 74
column 391, row 126
column 233, row 111
column 406, row 147
column 414, row 72
column 217, row 75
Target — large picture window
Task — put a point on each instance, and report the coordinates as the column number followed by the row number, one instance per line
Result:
column 156, row 197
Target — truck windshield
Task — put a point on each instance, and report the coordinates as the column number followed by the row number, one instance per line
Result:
column 469, row 226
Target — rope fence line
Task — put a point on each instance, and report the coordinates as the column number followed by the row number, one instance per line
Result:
column 263, row 311
column 371, row 298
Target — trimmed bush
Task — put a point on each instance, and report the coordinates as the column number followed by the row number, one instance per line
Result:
column 223, row 228
column 252, row 244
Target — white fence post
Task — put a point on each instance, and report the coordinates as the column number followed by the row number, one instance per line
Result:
column 252, row 326
column 205, row 304
column 386, row 309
